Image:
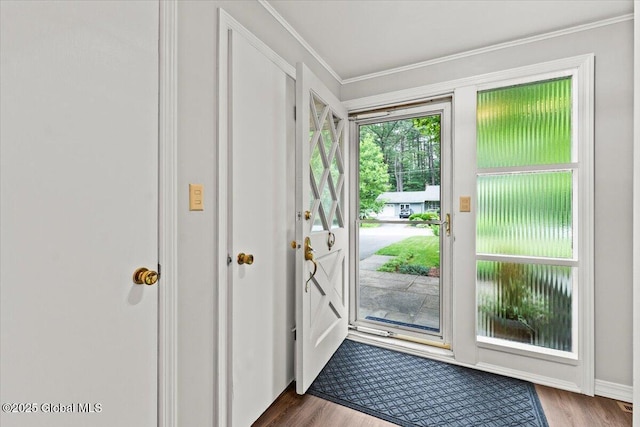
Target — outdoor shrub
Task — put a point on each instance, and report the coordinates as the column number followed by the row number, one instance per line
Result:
column 419, row 270
column 394, row 265
column 425, row 216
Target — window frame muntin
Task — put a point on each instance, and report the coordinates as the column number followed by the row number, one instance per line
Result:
column 576, row 167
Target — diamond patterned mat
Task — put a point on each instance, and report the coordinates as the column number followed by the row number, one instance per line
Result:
column 413, row 391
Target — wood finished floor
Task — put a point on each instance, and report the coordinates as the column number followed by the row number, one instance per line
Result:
column 562, row 409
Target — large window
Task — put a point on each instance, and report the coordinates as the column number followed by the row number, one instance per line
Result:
column 525, row 230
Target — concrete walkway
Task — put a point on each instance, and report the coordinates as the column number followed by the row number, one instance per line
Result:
column 398, row 297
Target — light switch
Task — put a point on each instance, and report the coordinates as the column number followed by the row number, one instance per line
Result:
column 465, row 204
column 196, row 197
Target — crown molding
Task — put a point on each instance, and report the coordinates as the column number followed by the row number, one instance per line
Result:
column 300, row 39
column 505, row 45
column 473, row 52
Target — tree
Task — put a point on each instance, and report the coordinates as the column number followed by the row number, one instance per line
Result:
column 429, row 128
column 374, row 178
column 411, row 151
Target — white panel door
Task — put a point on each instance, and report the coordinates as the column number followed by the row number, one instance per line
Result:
column 79, row 208
column 322, row 261
column 261, row 218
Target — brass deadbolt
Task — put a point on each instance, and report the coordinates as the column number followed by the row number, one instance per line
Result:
column 144, row 276
column 245, row 258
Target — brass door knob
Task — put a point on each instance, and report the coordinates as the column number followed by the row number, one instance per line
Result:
column 245, row 258
column 144, row 276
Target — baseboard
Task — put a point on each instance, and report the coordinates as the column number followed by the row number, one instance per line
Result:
column 607, row 389
column 447, row 357
column 614, row 391
column 528, row 376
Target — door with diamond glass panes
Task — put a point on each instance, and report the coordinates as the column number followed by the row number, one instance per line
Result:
column 322, row 234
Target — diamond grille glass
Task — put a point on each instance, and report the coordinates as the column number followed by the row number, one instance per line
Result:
column 526, row 211
column 326, row 165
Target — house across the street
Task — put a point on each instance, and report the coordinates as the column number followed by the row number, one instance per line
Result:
column 417, row 201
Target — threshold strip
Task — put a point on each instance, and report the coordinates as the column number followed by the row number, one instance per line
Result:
column 395, row 335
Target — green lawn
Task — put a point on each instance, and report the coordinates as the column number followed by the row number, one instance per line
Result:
column 369, row 225
column 421, row 251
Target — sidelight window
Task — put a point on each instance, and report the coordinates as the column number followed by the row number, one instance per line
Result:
column 527, row 178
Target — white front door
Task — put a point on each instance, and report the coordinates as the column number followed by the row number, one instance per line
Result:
column 260, row 227
column 322, row 227
column 79, row 209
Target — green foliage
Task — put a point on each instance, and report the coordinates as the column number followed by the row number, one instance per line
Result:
column 420, row 251
column 374, row 179
column 418, row 270
column 411, row 151
column 514, row 299
column 369, row 225
column 427, row 216
column 393, row 265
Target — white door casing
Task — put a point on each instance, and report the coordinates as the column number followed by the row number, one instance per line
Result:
column 322, row 290
column 79, row 212
column 442, row 109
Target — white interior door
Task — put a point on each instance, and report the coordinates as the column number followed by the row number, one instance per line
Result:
column 260, row 223
column 79, row 208
column 322, row 228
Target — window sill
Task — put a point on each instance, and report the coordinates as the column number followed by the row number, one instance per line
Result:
column 527, row 350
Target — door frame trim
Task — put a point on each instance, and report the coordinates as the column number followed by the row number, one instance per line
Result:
column 464, row 339
column 442, row 105
column 168, row 214
column 636, row 213
column 222, row 363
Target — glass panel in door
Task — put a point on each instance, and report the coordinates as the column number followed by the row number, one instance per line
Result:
column 402, row 205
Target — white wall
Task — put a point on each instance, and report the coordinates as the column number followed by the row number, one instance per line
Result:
column 197, row 132
column 197, row 146
column 613, row 49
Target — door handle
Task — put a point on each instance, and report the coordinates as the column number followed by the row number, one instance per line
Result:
column 144, row 276
column 245, row 258
column 308, row 256
column 447, row 224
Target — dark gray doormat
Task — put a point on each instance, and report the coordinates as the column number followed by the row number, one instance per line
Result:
column 413, row 391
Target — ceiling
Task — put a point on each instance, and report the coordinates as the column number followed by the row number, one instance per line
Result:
column 360, row 37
